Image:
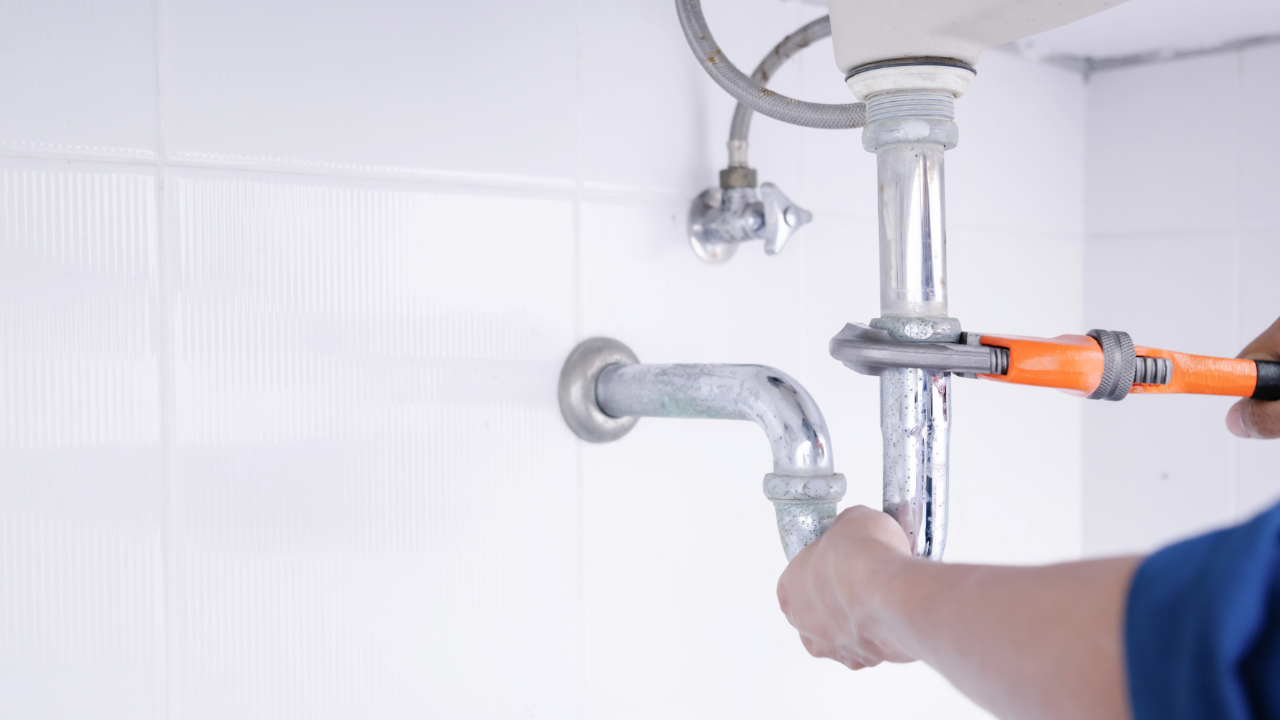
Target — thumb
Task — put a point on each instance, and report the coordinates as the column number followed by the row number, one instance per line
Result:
column 1254, row 419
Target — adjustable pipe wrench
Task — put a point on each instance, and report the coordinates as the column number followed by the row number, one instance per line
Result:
column 1102, row 365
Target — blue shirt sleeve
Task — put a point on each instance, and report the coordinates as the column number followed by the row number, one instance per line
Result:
column 1202, row 627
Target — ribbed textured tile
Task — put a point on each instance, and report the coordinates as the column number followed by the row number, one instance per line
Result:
column 373, row 488
column 82, row 615
column 81, row 620
column 79, row 296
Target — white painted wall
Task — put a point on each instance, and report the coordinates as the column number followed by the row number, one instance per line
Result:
column 1182, row 252
column 284, row 292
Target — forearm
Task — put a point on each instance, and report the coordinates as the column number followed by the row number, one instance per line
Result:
column 1033, row 642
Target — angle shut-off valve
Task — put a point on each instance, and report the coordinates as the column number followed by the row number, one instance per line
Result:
column 737, row 211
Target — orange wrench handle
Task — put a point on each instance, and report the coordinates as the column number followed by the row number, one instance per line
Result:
column 1200, row 375
column 1075, row 364
column 1068, row 362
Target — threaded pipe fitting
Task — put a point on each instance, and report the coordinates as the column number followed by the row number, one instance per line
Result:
column 910, row 116
column 910, row 104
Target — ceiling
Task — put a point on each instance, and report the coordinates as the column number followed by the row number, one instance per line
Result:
column 1158, row 27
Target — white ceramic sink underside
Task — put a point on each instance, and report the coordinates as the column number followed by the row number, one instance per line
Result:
column 866, row 31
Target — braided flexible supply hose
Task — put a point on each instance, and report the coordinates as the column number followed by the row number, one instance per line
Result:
column 782, row 52
column 749, row 91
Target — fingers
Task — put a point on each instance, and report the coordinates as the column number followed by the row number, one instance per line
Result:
column 819, row 649
column 1258, row 419
column 1254, row 419
column 861, row 522
column 816, row 647
column 888, row 531
column 828, row 590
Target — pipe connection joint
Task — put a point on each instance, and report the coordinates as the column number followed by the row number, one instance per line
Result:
column 910, row 101
column 604, row 390
column 804, row 507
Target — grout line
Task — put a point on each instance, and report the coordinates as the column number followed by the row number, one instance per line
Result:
column 1089, row 66
column 805, row 296
column 167, row 405
column 514, row 185
column 579, row 327
column 1082, row 494
column 143, row 159
column 461, row 179
column 319, row 169
column 1235, row 274
column 1205, row 234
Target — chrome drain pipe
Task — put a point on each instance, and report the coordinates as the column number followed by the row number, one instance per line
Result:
column 604, row 390
column 910, row 125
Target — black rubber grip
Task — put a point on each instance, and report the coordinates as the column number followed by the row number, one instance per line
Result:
column 1268, row 387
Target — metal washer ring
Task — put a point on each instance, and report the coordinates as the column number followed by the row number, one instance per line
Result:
column 577, row 390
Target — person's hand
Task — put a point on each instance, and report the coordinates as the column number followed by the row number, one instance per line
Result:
column 833, row 590
column 1256, row 418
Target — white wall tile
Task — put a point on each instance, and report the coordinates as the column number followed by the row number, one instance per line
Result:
column 643, row 102
column 82, row 607
column 643, row 285
column 373, row 87
column 1259, row 157
column 1202, row 281
column 1259, row 291
column 79, row 79
column 1015, row 467
column 1159, row 468
column 373, row 488
column 1170, row 292
column 1018, row 163
column 838, row 175
column 1163, row 147
column 842, row 285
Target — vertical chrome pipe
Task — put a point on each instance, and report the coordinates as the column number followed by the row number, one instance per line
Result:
column 915, row 423
column 909, row 131
column 913, row 240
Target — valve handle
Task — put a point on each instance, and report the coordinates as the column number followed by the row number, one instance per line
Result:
column 782, row 218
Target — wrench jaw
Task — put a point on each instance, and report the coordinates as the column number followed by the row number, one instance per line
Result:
column 872, row 351
column 915, row 417
column 915, row 396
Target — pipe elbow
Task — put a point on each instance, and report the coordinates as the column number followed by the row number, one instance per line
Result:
column 792, row 421
column 601, row 386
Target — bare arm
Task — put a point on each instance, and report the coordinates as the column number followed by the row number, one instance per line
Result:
column 1030, row 642
column 1022, row 642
